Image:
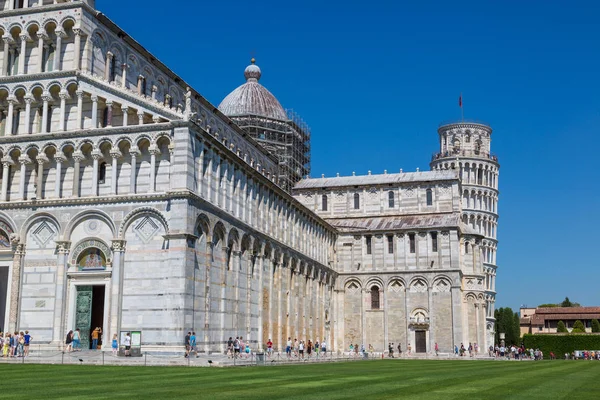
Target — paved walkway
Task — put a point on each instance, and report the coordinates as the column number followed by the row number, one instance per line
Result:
column 216, row 360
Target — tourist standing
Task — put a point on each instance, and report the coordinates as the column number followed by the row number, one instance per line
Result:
column 193, row 344
column 95, row 336
column 115, row 345
column 301, row 349
column 186, row 340
column 230, row 347
column 391, row 350
column 76, row 339
column 269, row 348
column 309, row 348
column 28, row 339
column 69, row 341
column 437, row 349
column 127, row 344
column 288, row 347
column 236, row 347
column 6, row 345
column 317, row 348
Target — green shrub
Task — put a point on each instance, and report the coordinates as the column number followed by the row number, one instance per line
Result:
column 561, row 328
column 561, row 344
column 595, row 325
column 578, row 327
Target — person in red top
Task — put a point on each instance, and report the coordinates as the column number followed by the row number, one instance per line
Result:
column 269, row 348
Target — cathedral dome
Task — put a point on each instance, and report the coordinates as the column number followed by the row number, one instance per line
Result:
column 252, row 98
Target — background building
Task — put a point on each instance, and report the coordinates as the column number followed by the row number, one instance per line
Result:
column 545, row 319
column 128, row 201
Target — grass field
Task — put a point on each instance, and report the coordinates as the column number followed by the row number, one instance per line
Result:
column 389, row 379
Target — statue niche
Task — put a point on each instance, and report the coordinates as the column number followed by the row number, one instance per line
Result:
column 91, row 259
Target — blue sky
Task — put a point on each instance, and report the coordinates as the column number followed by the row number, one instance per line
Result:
column 374, row 80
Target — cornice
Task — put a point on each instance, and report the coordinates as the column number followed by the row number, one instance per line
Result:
column 46, row 9
column 76, row 201
column 84, row 133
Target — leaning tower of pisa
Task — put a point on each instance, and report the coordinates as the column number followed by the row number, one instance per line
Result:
column 466, row 146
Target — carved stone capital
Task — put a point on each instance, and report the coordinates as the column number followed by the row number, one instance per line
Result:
column 42, row 159
column 118, row 245
column 7, row 161
column 63, row 246
column 154, row 150
column 24, row 160
column 24, row 36
column 60, row 157
column 97, row 155
column 115, row 153
column 134, row 151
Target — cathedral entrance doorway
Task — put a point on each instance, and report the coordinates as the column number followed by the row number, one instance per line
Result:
column 3, row 298
column 89, row 312
column 420, row 341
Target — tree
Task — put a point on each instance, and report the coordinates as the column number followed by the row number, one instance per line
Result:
column 507, row 322
column 595, row 325
column 548, row 305
column 561, row 328
column 578, row 327
column 566, row 303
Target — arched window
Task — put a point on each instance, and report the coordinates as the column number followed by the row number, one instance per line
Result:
column 368, row 243
column 102, row 172
column 375, row 298
column 324, row 202
column 434, row 242
column 429, row 197
column 356, row 201
column 466, row 247
column 411, row 242
column 391, row 199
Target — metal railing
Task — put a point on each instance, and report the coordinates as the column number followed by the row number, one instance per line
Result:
column 465, row 153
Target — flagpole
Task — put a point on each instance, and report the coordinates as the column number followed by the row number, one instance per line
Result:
column 462, row 110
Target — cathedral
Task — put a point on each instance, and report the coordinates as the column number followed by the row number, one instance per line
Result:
column 131, row 203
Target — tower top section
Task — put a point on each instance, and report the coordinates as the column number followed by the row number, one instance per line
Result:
column 465, row 139
column 8, row 5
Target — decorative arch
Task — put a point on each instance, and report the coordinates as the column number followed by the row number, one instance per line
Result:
column 352, row 285
column 202, row 226
column 29, row 222
column 129, row 218
column 90, row 254
column 442, row 284
column 396, row 284
column 418, row 285
column 101, row 215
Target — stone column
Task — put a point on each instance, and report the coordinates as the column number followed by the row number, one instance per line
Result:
column 96, row 156
column 41, row 160
column 7, row 162
column 118, row 248
column 10, row 116
column 23, row 160
column 59, row 36
column 24, row 36
column 59, row 157
column 62, row 125
column 77, row 158
column 154, row 90
column 28, row 100
column 109, row 113
column 125, row 111
column 42, row 37
column 124, row 75
column 108, row 66
column 154, row 151
column 94, row 111
column 260, row 265
column 79, row 123
column 115, row 153
column 45, row 98
column 8, row 40
column 77, row 48
column 133, row 152
column 140, row 115
column 62, row 248
column 15, row 286
column 140, row 82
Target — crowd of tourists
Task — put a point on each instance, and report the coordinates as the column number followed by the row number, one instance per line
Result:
column 15, row 344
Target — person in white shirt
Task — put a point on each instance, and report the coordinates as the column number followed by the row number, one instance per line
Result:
column 127, row 344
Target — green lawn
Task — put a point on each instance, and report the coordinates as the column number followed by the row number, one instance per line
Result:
column 387, row 379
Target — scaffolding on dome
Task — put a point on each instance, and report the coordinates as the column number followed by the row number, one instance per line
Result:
column 288, row 140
